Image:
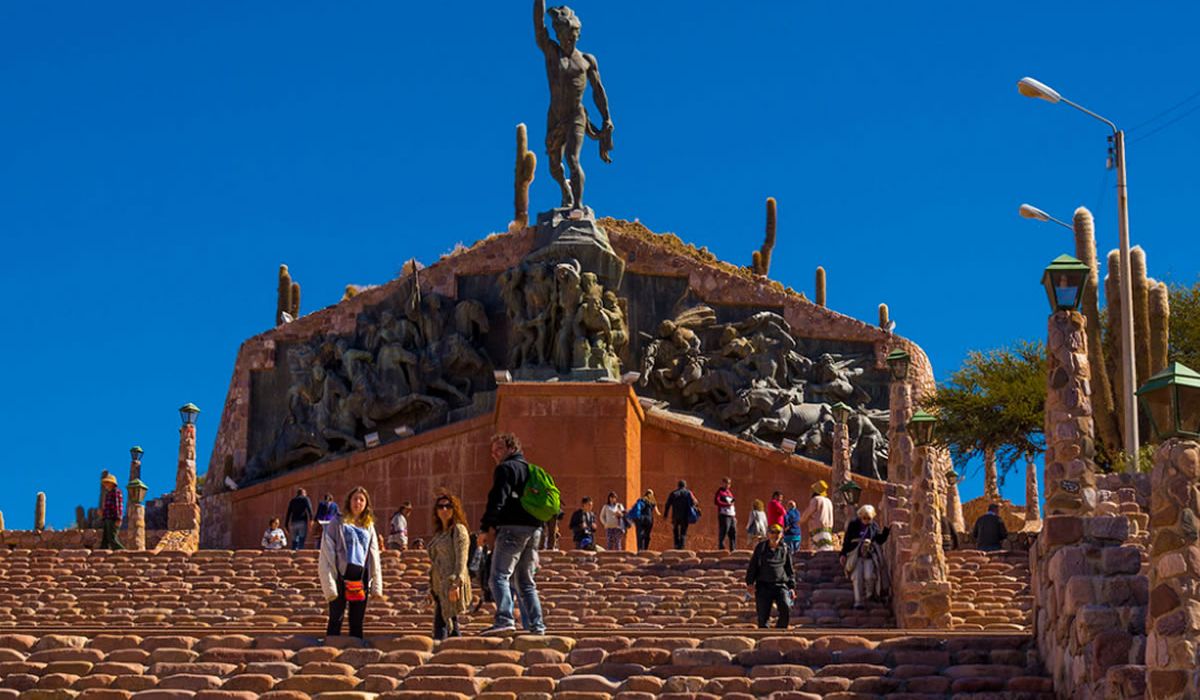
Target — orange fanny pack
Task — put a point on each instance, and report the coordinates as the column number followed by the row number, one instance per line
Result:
column 355, row 591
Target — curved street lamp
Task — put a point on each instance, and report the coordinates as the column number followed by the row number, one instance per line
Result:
column 1039, row 90
column 1029, row 211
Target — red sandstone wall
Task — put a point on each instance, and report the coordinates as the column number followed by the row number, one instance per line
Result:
column 672, row 450
column 593, row 437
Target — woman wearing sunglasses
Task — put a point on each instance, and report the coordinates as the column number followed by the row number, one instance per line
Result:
column 449, row 581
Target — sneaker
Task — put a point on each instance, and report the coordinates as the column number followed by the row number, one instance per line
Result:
column 499, row 629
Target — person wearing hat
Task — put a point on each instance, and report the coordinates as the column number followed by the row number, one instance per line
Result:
column 818, row 518
column 862, row 556
column 771, row 577
column 112, row 510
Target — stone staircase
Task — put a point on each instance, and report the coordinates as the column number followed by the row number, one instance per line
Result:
column 586, row 667
column 991, row 590
column 95, row 589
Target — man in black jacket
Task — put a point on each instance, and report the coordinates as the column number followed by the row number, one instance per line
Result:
column 583, row 525
column 771, row 578
column 513, row 533
column 679, row 507
column 989, row 532
column 299, row 513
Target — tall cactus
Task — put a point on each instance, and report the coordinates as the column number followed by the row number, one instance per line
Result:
column 760, row 260
column 884, row 317
column 1160, row 325
column 819, row 294
column 295, row 307
column 283, row 303
column 1141, row 311
column 1107, row 428
column 525, row 168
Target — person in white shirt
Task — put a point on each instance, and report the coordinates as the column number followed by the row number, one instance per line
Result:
column 398, row 528
column 612, row 519
column 274, row 537
column 818, row 517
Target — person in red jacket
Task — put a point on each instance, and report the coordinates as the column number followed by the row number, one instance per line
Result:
column 776, row 510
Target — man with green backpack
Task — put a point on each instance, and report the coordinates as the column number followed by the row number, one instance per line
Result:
column 523, row 497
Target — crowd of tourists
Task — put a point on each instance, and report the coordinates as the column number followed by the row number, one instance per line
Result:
column 502, row 555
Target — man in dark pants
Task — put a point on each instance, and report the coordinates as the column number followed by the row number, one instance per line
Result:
column 771, row 578
column 726, row 515
column 299, row 513
column 679, row 507
column 111, row 513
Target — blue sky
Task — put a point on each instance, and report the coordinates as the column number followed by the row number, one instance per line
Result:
column 161, row 159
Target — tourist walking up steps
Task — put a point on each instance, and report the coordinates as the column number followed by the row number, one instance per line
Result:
column 398, row 527
column 818, row 517
column 583, row 525
column 726, row 515
column 449, row 579
column 679, row 508
column 299, row 514
column 513, row 534
column 771, row 577
column 756, row 524
column 776, row 511
column 862, row 556
column 642, row 516
column 112, row 511
column 349, row 564
column 274, row 538
column 990, row 532
column 791, row 527
column 612, row 519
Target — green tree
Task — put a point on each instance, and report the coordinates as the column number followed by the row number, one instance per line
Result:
column 1184, row 343
column 993, row 407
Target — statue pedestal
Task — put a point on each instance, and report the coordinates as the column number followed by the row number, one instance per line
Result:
column 560, row 237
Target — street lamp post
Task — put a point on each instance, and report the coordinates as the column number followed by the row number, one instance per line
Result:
column 1033, row 88
column 184, row 512
column 1029, row 211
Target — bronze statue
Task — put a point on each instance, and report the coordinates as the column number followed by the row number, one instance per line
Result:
column 569, row 71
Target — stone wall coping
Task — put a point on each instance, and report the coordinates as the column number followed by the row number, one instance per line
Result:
column 605, row 390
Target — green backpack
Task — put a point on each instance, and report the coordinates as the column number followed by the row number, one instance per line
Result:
column 540, row 497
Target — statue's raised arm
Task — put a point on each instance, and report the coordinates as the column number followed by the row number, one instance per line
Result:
column 540, row 32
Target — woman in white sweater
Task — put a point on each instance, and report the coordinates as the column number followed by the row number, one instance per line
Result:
column 349, row 566
column 612, row 519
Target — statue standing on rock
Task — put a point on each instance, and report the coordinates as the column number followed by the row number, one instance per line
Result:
column 569, row 71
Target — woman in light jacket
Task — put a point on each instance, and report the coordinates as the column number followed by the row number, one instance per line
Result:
column 449, row 581
column 349, row 566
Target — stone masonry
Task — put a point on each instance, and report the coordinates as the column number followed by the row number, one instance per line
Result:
column 924, row 593
column 1070, row 437
column 1173, row 625
column 900, row 444
column 841, row 472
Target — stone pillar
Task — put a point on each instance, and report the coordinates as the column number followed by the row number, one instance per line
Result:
column 841, row 473
column 900, row 445
column 135, row 470
column 137, row 525
column 925, row 590
column 1033, row 512
column 39, row 512
column 184, row 512
column 1070, row 440
column 954, row 503
column 991, row 480
column 1, row 521
column 1173, row 623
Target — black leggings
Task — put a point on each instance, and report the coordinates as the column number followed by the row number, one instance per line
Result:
column 770, row 595
column 680, row 532
column 643, row 535
column 337, row 606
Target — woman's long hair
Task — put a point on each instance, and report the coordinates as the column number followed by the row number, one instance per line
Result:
column 457, row 515
column 366, row 518
column 758, row 504
column 648, row 497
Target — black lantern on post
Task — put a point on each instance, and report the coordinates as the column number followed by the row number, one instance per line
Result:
column 188, row 413
column 898, row 362
column 850, row 492
column 920, row 427
column 135, row 453
column 1065, row 280
column 1171, row 399
column 137, row 491
column 841, row 412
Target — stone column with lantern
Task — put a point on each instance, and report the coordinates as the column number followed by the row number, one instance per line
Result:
column 1070, row 438
column 184, row 511
column 924, row 596
column 135, row 463
column 954, row 503
column 137, row 513
column 841, row 464
column 1171, row 401
column 900, row 411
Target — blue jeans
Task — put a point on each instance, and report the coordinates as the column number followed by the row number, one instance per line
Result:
column 299, row 532
column 513, row 553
